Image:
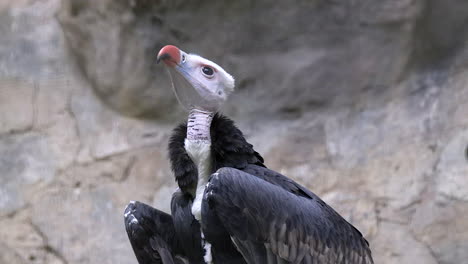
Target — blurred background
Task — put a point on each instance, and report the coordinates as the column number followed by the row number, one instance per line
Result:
column 365, row 102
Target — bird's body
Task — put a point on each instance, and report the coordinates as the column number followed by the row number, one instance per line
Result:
column 231, row 209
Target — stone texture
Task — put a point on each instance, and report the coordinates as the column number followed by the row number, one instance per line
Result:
column 393, row 239
column 16, row 105
column 115, row 44
column 364, row 102
column 9, row 255
column 452, row 168
column 24, row 160
column 31, row 44
column 30, row 244
column 441, row 226
column 94, row 219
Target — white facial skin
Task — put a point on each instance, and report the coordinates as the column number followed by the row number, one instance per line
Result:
column 211, row 82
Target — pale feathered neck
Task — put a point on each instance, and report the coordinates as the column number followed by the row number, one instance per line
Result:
column 198, row 125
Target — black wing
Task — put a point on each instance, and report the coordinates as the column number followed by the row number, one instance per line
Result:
column 272, row 219
column 152, row 235
column 187, row 228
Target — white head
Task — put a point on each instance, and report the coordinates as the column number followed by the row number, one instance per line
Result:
column 205, row 85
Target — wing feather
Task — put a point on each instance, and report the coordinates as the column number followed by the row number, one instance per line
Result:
column 272, row 219
column 151, row 234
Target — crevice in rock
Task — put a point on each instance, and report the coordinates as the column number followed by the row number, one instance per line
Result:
column 466, row 153
column 426, row 195
column 122, row 177
column 16, row 212
column 128, row 169
column 47, row 247
column 412, row 203
column 393, row 221
column 36, row 90
column 120, row 153
column 452, row 198
column 427, row 246
column 69, row 110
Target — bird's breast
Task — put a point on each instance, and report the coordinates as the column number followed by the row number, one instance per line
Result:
column 200, row 153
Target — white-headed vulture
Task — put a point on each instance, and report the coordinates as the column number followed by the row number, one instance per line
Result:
column 230, row 208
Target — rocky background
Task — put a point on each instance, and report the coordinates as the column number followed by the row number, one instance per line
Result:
column 365, row 102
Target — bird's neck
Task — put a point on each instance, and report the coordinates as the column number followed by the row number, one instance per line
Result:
column 198, row 147
column 198, row 125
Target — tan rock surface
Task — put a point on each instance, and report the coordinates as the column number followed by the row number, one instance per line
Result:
column 364, row 102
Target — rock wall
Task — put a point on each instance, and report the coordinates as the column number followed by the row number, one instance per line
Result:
column 365, row 102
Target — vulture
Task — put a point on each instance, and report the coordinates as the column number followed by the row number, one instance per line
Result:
column 229, row 207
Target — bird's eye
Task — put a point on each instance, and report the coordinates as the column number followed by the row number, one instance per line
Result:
column 183, row 58
column 207, row 71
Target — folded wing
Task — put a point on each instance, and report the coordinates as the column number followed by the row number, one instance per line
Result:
column 272, row 219
column 152, row 235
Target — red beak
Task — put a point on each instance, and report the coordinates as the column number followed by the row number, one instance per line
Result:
column 170, row 55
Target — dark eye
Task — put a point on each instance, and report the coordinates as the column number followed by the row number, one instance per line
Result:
column 207, row 71
column 183, row 58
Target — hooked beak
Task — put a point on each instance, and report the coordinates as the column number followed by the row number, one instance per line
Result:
column 170, row 55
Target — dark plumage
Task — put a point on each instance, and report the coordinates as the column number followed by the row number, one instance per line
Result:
column 150, row 232
column 272, row 219
column 269, row 217
column 228, row 146
column 187, row 228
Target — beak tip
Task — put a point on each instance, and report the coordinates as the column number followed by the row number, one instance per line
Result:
column 170, row 55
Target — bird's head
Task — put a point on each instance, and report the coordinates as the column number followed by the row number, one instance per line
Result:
column 197, row 82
